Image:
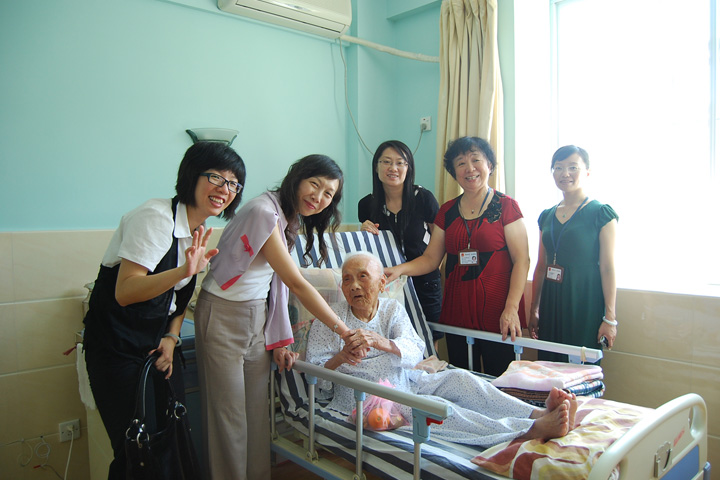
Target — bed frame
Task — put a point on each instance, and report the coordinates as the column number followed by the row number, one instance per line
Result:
column 671, row 443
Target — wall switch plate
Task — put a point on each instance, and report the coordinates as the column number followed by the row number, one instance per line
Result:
column 69, row 430
column 425, row 124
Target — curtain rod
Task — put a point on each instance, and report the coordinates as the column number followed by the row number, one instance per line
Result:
column 392, row 51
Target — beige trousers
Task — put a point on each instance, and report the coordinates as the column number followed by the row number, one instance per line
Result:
column 234, row 371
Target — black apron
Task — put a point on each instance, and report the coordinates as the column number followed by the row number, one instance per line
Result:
column 116, row 341
column 133, row 330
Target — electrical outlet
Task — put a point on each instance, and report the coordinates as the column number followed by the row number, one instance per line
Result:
column 425, row 124
column 69, row 430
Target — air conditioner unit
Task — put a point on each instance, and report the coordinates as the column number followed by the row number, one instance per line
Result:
column 329, row 18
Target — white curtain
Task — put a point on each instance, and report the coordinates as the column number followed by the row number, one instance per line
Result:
column 470, row 101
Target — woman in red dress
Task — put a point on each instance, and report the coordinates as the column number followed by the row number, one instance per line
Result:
column 484, row 238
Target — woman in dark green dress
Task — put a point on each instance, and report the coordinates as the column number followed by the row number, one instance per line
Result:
column 574, row 280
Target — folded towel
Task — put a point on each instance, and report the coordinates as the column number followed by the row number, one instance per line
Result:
column 83, row 381
column 592, row 389
column 546, row 375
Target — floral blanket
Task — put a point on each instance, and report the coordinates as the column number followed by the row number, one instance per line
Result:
column 598, row 424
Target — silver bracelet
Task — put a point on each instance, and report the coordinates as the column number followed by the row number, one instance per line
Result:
column 614, row 323
column 178, row 340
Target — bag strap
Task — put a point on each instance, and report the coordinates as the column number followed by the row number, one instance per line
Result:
column 142, row 386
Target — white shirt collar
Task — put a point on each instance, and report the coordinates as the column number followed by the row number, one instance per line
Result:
column 182, row 226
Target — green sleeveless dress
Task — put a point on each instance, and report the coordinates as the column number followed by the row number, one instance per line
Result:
column 571, row 312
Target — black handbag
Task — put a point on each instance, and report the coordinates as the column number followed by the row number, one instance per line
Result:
column 168, row 452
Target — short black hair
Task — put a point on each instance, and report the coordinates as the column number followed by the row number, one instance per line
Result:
column 310, row 166
column 464, row 145
column 204, row 156
column 564, row 152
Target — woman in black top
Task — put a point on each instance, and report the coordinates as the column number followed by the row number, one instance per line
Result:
column 408, row 211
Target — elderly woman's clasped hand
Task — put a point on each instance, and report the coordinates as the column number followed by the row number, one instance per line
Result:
column 358, row 342
column 352, row 355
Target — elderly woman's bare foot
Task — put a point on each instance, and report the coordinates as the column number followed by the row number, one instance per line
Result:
column 573, row 410
column 556, row 397
column 553, row 424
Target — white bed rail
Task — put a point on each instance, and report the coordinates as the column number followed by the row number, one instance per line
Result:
column 425, row 411
column 666, row 435
column 435, row 409
column 575, row 354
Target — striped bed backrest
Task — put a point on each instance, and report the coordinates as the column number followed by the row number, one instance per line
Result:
column 384, row 247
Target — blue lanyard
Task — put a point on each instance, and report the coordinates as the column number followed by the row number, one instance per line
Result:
column 481, row 207
column 556, row 243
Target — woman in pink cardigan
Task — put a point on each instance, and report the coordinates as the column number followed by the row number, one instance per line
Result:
column 242, row 313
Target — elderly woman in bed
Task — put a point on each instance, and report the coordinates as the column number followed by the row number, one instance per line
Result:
column 396, row 348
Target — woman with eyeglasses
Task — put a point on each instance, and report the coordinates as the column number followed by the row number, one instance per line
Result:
column 241, row 318
column 483, row 236
column 574, row 280
column 146, row 280
column 408, row 211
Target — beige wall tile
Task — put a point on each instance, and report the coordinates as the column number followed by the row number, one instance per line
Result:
column 8, row 337
column 682, row 327
column 7, row 293
column 714, row 452
column 56, row 264
column 99, row 450
column 706, row 383
column 706, row 344
column 77, row 469
column 9, row 460
column 45, row 330
column 215, row 237
column 650, row 382
column 37, row 401
column 655, row 322
column 644, row 381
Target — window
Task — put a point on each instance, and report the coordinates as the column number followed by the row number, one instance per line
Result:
column 632, row 82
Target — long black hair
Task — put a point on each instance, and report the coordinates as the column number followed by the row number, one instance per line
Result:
column 377, row 204
column 307, row 167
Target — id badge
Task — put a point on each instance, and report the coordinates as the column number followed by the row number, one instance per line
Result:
column 555, row 273
column 469, row 257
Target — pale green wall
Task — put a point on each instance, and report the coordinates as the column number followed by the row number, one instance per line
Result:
column 389, row 94
column 96, row 97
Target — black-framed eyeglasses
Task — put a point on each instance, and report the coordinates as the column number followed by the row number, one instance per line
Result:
column 220, row 181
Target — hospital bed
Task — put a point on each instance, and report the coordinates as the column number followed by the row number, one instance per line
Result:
column 669, row 442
